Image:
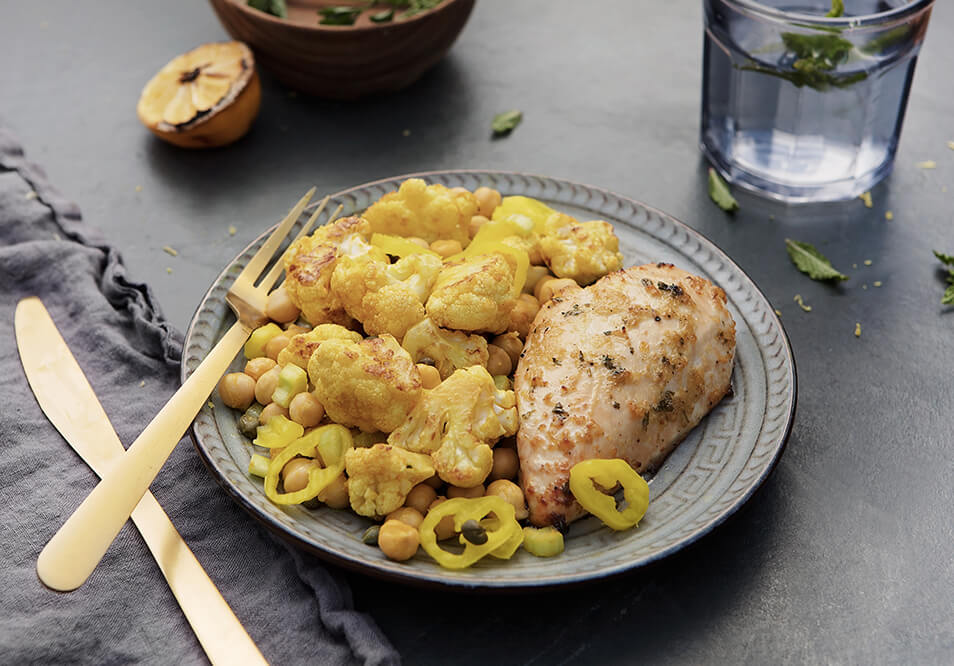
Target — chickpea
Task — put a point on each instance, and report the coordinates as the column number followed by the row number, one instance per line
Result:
column 506, row 464
column 476, row 222
column 407, row 515
column 510, row 342
column 460, row 190
column 279, row 307
column 237, row 390
column 434, row 482
column 420, row 497
column 523, row 314
column 294, row 329
column 418, row 241
column 272, row 409
column 445, row 528
column 446, row 248
column 335, row 494
column 547, row 288
column 512, row 493
column 275, row 345
column 266, row 385
column 487, row 200
column 534, row 275
column 398, row 541
column 295, row 474
column 259, row 366
column 305, row 409
column 499, row 362
column 457, row 491
column 430, row 377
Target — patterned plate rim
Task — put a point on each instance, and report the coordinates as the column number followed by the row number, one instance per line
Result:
column 612, row 205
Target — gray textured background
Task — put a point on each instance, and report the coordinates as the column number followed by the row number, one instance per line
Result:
column 844, row 556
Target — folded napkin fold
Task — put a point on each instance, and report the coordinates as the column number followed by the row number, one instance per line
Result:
column 297, row 610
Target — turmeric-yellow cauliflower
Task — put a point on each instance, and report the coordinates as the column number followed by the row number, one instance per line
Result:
column 372, row 384
column 456, row 423
column 303, row 345
column 430, row 212
column 583, row 251
column 380, row 477
column 385, row 298
column 474, row 294
column 310, row 262
column 448, row 350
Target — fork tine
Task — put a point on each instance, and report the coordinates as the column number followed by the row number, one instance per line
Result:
column 270, row 279
column 254, row 267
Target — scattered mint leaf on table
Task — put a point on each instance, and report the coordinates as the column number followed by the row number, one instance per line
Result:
column 273, row 7
column 506, row 121
column 719, row 192
column 947, row 260
column 811, row 262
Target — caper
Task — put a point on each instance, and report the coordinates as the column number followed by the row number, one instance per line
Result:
column 473, row 532
column 248, row 423
column 370, row 536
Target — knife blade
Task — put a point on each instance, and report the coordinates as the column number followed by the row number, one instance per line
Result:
column 68, row 400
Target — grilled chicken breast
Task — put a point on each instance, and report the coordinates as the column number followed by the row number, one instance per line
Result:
column 624, row 368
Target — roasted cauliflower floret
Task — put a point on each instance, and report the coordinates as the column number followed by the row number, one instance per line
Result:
column 310, row 262
column 456, row 423
column 449, row 350
column 430, row 212
column 303, row 345
column 380, row 477
column 583, row 251
column 385, row 298
column 372, row 384
column 474, row 294
column 529, row 244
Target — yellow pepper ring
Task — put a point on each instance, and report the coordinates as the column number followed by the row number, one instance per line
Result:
column 607, row 473
column 500, row 537
column 331, row 441
column 397, row 246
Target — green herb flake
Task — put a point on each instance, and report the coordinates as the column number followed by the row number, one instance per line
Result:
column 837, row 9
column 801, row 303
column 382, row 17
column 720, row 194
column 504, row 123
column 811, row 262
column 273, row 7
column 339, row 15
column 947, row 260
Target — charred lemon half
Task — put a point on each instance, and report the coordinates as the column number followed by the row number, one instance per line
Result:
column 205, row 98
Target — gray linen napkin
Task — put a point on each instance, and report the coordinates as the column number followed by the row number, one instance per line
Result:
column 295, row 609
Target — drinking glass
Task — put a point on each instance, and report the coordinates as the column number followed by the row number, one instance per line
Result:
column 803, row 107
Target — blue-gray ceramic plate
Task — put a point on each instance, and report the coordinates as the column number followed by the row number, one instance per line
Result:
column 709, row 476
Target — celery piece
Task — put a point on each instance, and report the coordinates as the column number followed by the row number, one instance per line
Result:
column 258, row 465
column 292, row 380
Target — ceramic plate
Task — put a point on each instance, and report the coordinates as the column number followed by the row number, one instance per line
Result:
column 708, row 477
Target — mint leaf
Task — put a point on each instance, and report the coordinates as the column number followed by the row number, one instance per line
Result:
column 273, row 7
column 811, row 262
column 837, row 9
column 946, row 259
column 719, row 192
column 339, row 15
column 382, row 17
column 948, row 297
column 504, row 123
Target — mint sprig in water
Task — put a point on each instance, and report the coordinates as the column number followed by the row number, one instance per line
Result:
column 947, row 260
column 814, row 58
column 811, row 262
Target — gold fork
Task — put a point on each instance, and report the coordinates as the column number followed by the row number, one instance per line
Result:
column 70, row 556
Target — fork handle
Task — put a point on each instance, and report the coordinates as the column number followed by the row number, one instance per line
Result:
column 70, row 556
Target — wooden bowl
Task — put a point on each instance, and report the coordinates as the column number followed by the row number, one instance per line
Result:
column 344, row 62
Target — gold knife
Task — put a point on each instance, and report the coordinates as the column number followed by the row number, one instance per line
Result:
column 68, row 401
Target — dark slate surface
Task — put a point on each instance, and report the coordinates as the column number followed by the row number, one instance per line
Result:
column 845, row 554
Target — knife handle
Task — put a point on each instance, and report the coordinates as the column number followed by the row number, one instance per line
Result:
column 221, row 634
column 70, row 556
